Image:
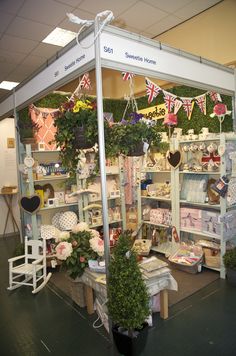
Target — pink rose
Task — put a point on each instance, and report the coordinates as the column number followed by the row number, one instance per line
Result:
column 82, row 259
column 74, row 243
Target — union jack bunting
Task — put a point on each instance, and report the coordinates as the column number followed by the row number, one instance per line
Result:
column 188, row 106
column 85, row 82
column 215, row 96
column 127, row 75
column 201, row 101
column 169, row 100
column 152, row 90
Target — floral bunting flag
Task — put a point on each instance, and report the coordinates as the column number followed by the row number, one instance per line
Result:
column 188, row 105
column 201, row 101
column 152, row 90
column 169, row 100
column 178, row 104
column 215, row 96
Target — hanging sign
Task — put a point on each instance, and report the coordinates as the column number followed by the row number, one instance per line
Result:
column 156, row 112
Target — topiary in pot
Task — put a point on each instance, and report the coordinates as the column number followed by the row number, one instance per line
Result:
column 229, row 259
column 128, row 299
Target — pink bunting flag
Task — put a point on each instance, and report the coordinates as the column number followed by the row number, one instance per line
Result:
column 201, row 101
column 85, row 82
column 188, row 105
column 152, row 90
column 178, row 104
column 169, row 100
column 127, row 75
column 215, row 96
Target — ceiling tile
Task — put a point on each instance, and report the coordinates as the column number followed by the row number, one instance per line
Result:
column 33, row 61
column 45, row 11
column 28, row 29
column 21, row 73
column 163, row 25
column 10, row 6
column 11, row 57
column 117, row 7
column 5, row 21
column 134, row 17
column 6, row 68
column 45, row 50
column 67, row 25
column 168, row 5
column 194, row 8
column 17, row 44
column 73, row 3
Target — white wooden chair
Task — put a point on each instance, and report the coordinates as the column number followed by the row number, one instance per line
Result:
column 30, row 268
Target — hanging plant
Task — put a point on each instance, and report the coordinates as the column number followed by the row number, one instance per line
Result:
column 76, row 129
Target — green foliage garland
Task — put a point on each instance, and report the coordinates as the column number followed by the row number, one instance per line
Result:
column 230, row 259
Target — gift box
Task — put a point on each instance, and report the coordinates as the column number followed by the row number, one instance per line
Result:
column 191, row 218
column 156, row 216
column 211, row 222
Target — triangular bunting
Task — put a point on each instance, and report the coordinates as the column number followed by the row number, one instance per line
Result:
column 85, row 82
column 152, row 90
column 169, row 100
column 201, row 101
column 127, row 75
column 188, row 105
column 214, row 96
column 178, row 104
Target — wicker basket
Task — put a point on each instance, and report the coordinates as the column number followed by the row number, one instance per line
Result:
column 212, row 257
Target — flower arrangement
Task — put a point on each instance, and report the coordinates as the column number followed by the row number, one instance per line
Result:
column 76, row 129
column 84, row 244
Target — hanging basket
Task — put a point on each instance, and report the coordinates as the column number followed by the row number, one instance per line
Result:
column 136, row 150
column 81, row 141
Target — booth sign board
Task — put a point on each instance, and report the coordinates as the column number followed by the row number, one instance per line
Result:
column 156, row 112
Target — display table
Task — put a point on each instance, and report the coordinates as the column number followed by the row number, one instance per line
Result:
column 155, row 285
column 8, row 197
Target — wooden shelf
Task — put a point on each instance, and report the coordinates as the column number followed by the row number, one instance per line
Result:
column 200, row 233
column 149, row 170
column 206, row 139
column 110, row 222
column 49, row 178
column 159, row 225
column 213, row 268
column 201, row 172
column 58, row 207
column 155, row 198
column 204, row 205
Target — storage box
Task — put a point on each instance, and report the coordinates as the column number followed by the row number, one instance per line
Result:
column 142, row 246
column 191, row 218
column 212, row 257
column 211, row 222
column 188, row 259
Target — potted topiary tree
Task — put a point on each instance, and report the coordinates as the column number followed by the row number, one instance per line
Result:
column 128, row 299
column 229, row 259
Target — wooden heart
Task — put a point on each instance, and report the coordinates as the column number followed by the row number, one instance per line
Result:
column 174, row 158
column 30, row 204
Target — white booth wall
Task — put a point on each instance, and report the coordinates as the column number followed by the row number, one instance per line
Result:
column 8, row 173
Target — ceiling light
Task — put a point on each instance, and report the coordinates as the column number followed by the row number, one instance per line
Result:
column 8, row 85
column 59, row 37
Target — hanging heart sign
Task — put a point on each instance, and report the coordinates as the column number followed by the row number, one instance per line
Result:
column 174, row 158
column 30, row 204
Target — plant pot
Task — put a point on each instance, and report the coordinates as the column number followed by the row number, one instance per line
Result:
column 130, row 346
column 81, row 141
column 136, row 150
column 231, row 276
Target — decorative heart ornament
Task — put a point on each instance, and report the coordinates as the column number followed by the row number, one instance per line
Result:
column 30, row 204
column 174, row 158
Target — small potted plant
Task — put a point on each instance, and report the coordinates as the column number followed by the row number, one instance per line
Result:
column 229, row 259
column 132, row 134
column 128, row 299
